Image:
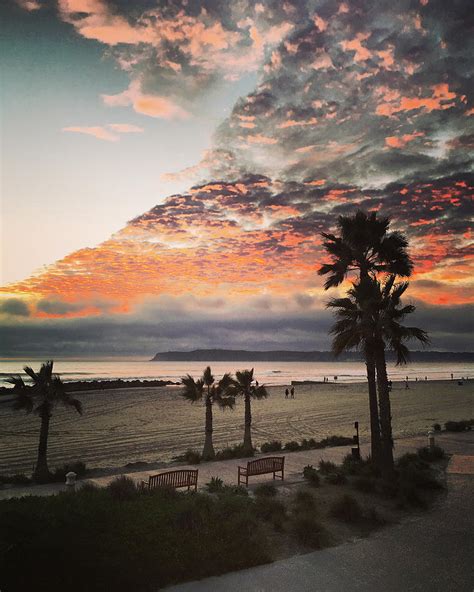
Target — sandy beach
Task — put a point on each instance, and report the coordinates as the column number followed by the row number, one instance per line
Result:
column 154, row 424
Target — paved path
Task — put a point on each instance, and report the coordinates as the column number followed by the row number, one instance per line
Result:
column 432, row 552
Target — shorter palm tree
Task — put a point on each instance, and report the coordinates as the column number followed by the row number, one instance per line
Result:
column 41, row 398
column 212, row 392
column 244, row 386
column 390, row 333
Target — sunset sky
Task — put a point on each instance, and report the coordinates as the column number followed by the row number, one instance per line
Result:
column 168, row 167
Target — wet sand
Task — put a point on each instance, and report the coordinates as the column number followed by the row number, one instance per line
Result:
column 154, row 424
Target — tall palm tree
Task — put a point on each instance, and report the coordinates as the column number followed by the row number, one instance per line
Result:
column 41, row 398
column 244, row 386
column 390, row 333
column 365, row 247
column 212, row 392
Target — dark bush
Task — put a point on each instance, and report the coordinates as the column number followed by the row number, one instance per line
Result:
column 77, row 467
column 235, row 490
column 292, row 446
column 273, row 446
column 21, row 479
column 336, row 478
column 304, row 501
column 458, row 426
column 408, row 494
column 311, row 475
column 437, row 427
column 336, row 441
column 363, row 467
column 387, row 488
column 313, row 444
column 270, row 510
column 237, row 451
column 92, row 541
column 326, row 466
column 431, row 454
column 190, row 457
column 309, row 531
column 265, row 490
column 365, row 484
column 215, row 484
column 347, row 509
column 123, row 488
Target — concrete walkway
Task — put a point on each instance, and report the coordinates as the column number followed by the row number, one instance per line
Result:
column 432, row 552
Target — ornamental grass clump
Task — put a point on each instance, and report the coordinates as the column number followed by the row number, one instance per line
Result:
column 347, row 509
column 311, row 475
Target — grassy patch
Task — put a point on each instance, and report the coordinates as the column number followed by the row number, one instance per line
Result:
column 311, row 475
column 346, row 509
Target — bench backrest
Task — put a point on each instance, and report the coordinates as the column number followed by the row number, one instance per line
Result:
column 181, row 478
column 265, row 465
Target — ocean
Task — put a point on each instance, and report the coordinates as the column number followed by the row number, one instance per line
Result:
column 269, row 373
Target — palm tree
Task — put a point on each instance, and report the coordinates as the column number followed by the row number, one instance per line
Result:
column 390, row 333
column 41, row 398
column 206, row 388
column 353, row 330
column 244, row 386
column 365, row 247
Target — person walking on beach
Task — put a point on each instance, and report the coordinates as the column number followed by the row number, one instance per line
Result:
column 292, row 392
column 287, row 392
column 406, row 385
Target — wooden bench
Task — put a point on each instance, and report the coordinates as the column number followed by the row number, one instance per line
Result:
column 261, row 466
column 182, row 478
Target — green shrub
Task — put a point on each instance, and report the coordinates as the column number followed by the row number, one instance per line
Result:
column 190, row 457
column 347, row 509
column 265, row 490
column 314, row 444
column 273, row 446
column 21, row 479
column 408, row 494
column 458, row 426
column 123, row 488
column 90, row 541
column 309, row 531
column 215, row 484
column 336, row 478
column 387, row 488
column 431, row 454
column 292, row 446
column 358, row 466
column 304, row 501
column 336, row 441
column 365, row 484
column 270, row 510
column 237, row 451
column 235, row 490
column 311, row 475
column 326, row 466
column 437, row 427
column 77, row 467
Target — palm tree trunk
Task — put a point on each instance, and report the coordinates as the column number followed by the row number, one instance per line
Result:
column 248, row 448
column 208, row 450
column 41, row 474
column 375, row 442
column 385, row 412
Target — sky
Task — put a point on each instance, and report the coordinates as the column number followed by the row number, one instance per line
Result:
column 168, row 167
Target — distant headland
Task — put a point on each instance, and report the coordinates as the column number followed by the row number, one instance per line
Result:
column 241, row 355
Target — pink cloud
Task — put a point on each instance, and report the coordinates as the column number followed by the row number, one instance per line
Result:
column 361, row 53
column 125, row 128
column 29, row 5
column 151, row 105
column 99, row 132
column 260, row 139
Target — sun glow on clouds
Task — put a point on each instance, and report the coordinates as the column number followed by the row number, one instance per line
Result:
column 343, row 116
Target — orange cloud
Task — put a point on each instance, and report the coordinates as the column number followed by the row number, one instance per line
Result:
column 146, row 104
column 442, row 98
column 99, row 132
column 361, row 53
column 402, row 141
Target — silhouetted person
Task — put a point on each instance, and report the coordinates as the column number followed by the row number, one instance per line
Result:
column 426, row 378
column 406, row 385
column 292, row 392
column 335, row 378
column 451, row 375
column 287, row 392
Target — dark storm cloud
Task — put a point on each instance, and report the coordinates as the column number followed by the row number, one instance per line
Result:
column 262, row 330
column 14, row 307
